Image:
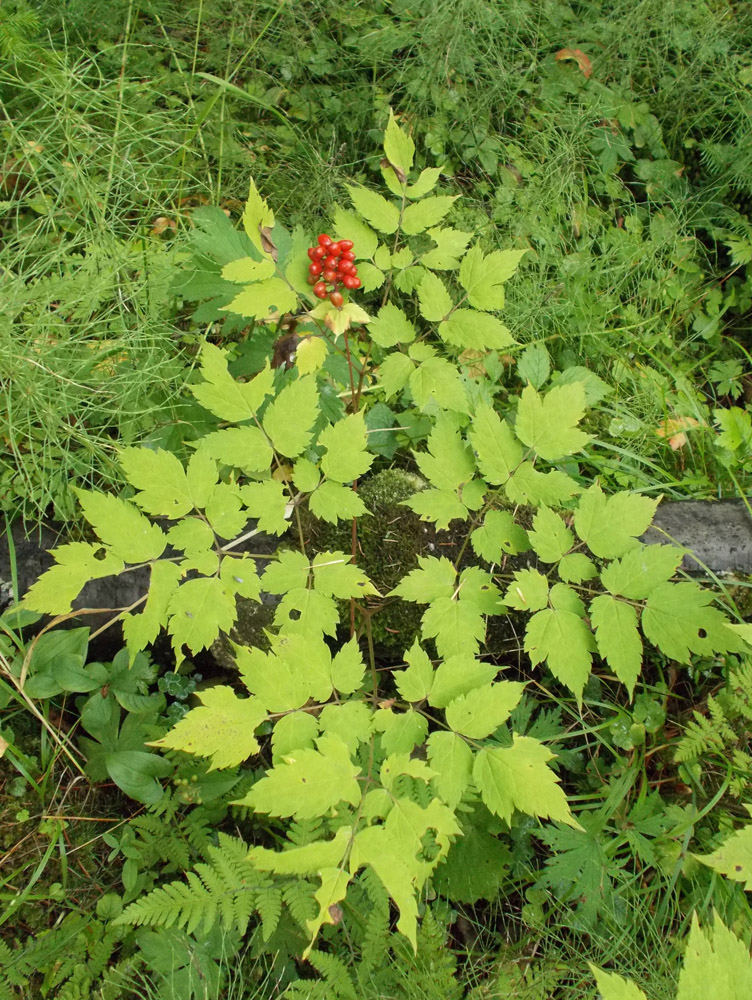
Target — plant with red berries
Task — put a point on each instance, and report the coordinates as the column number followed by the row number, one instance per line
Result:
column 332, row 266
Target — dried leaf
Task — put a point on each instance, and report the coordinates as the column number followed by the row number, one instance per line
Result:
column 579, row 57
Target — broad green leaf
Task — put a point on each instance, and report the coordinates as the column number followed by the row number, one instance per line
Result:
column 618, row 638
column 449, row 461
column 350, row 721
column 548, row 423
column 437, row 381
column 497, row 536
column 528, row 591
column 201, row 477
column 435, row 578
column 267, row 502
column 534, row 365
column 371, row 278
column 383, row 215
column 222, row 395
column 421, row 215
column 576, row 568
column 307, row 612
column 435, row 301
column 311, row 354
column 400, row 732
column 563, row 598
column 160, row 479
column 609, row 525
column 348, row 668
column 130, row 536
column 191, row 535
column 198, row 610
column 452, row 760
column 527, row 486
column 450, row 245
column 77, row 563
column 456, row 676
column 333, row 889
column 263, row 298
column 550, row 537
column 294, row 731
column 477, row 585
column 415, row 682
column 440, row 506
column 305, row 475
column 333, row 502
column 475, row 330
column 457, row 626
column 744, row 631
column 298, row 400
column 426, row 182
column 273, row 677
column 256, row 216
column 734, row 857
column 345, row 458
column 246, row 270
column 736, row 428
column 394, row 371
column 306, row 860
column 308, row 783
column 140, row 630
column 349, row 226
column 613, row 987
column 639, row 572
column 676, row 618
column 563, row 640
column 498, row 450
column 483, row 276
column 399, row 147
column 594, row 387
column 225, row 511
column 391, row 327
column 222, row 728
column 518, row 777
column 717, row 965
column 290, row 571
column 239, row 576
column 481, row 711
column 335, row 576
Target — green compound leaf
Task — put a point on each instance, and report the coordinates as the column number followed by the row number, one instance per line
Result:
column 528, row 591
column 534, row 365
column 477, row 331
column 550, row 538
column 736, row 428
column 440, row 506
column 294, row 731
column 308, row 783
column 518, row 777
column 483, row 276
column 245, row 448
column 450, row 245
column 433, row 297
column 613, row 987
column 262, row 298
column 222, row 728
column 335, row 576
column 225, row 511
column 499, row 535
column 426, row 182
column 548, row 423
column 391, row 326
column 383, row 215
column 438, row 382
column 139, row 631
column 192, row 535
column 618, row 638
column 394, row 372
column 481, row 711
column 563, row 640
column 498, row 451
column 299, row 400
column 414, row 683
column 256, row 216
column 77, row 563
column 306, row 475
column 717, row 965
column 238, row 574
column 267, row 502
column 306, row 860
column 456, row 676
column 246, row 269
column 676, row 618
column 290, row 571
column 201, row 477
column 198, row 611
column 477, row 585
column 452, row 760
column 129, row 535
column 399, row 147
column 734, row 857
column 306, row 612
column 400, row 732
column 160, row 479
column 609, row 525
column 434, row 579
column 529, row 487
column 457, row 626
column 423, row 214
column 333, row 889
column 276, row 679
column 347, row 668
column 576, row 568
column 333, row 502
column 351, row 721
column 221, row 395
column 449, row 461
column 350, row 226
column 637, row 574
column 346, row 458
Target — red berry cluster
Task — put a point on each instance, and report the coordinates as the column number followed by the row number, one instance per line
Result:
column 332, row 265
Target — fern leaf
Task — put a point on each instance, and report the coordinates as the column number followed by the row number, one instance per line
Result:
column 178, row 903
column 335, row 973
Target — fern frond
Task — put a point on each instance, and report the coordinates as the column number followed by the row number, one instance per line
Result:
column 183, row 904
column 305, row 831
column 300, row 901
column 335, row 973
column 376, row 936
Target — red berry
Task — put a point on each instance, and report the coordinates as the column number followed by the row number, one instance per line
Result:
column 334, row 249
column 319, row 290
column 312, row 279
column 347, row 281
column 331, row 263
column 346, row 244
column 354, row 282
column 314, row 268
column 336, row 299
column 324, row 240
column 347, row 254
column 312, row 253
column 344, row 266
column 330, row 276
column 318, row 253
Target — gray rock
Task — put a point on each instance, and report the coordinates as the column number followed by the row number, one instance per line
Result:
column 718, row 533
